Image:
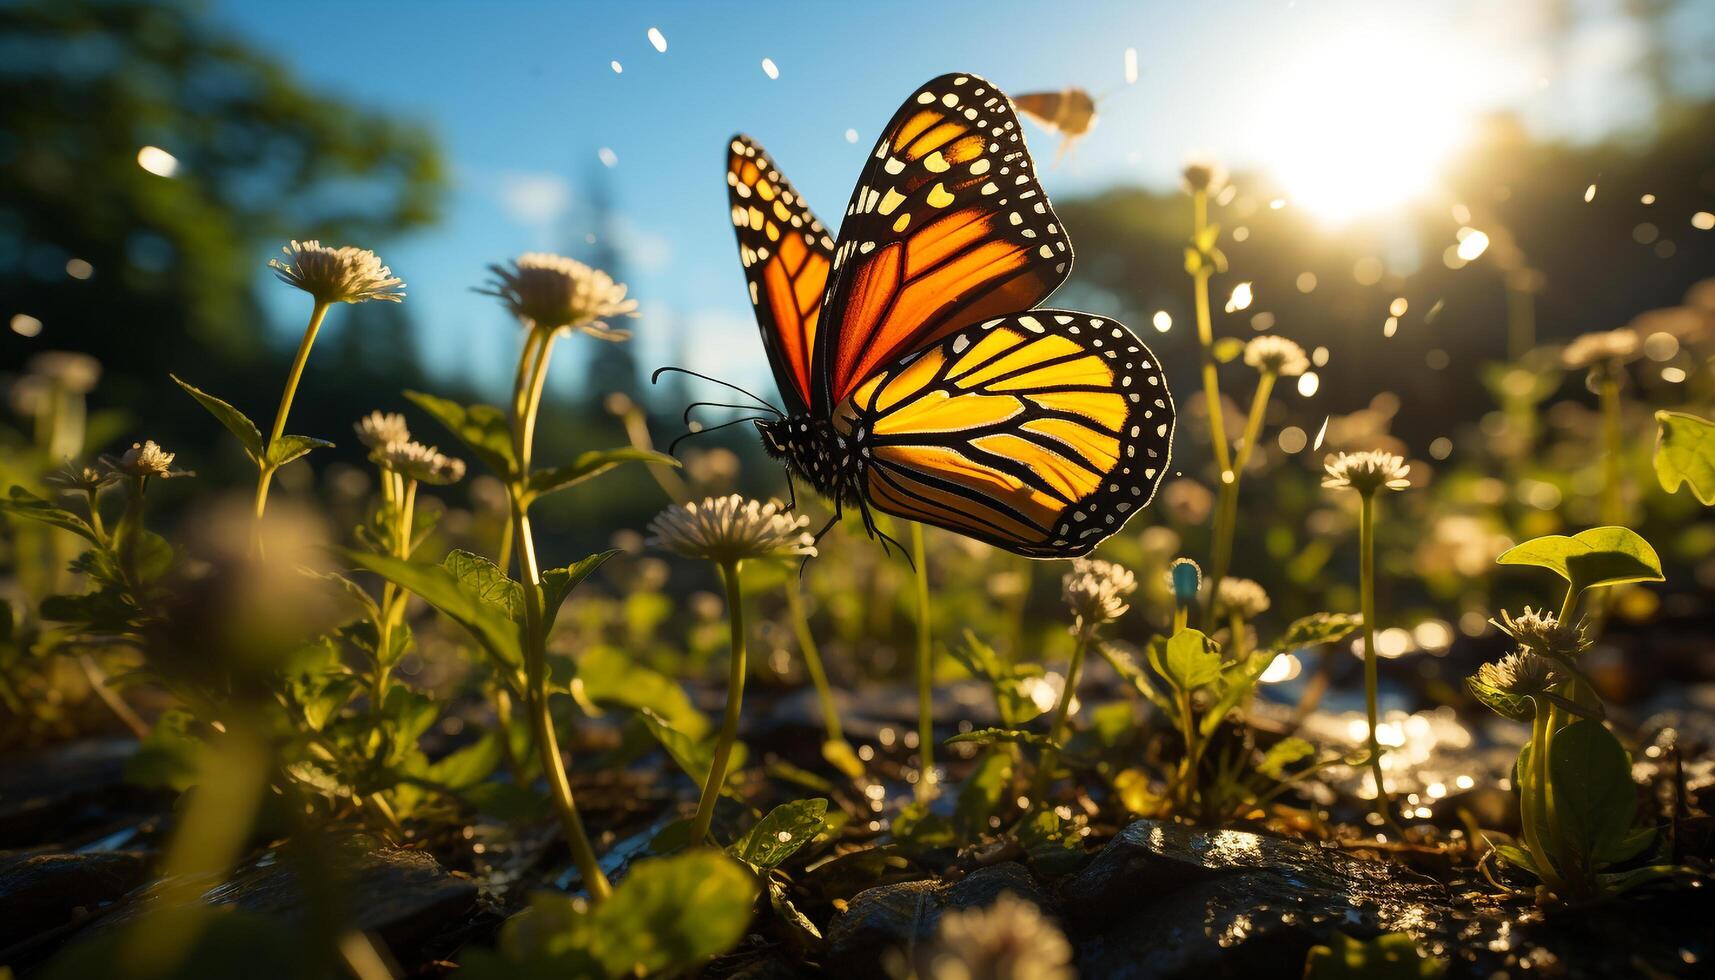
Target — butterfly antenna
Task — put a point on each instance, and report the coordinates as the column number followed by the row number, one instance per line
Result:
column 713, row 428
column 656, row 377
column 696, row 405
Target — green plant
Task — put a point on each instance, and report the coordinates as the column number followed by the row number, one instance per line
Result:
column 666, row 918
column 1367, row 473
column 1191, row 683
column 1577, row 805
column 1273, row 357
column 727, row 532
column 1389, row 956
column 1685, row 455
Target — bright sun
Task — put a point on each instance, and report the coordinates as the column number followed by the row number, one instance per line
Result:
column 1361, row 122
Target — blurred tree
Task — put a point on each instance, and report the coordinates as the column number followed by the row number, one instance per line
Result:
column 150, row 163
column 611, row 367
column 1597, row 264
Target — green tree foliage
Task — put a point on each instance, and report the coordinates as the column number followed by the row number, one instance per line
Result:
column 261, row 159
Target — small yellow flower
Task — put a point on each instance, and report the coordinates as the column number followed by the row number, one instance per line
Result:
column 337, row 275
column 1241, row 596
column 1095, row 591
column 145, row 459
column 379, row 429
column 1366, row 472
column 552, row 292
column 415, row 461
column 1271, row 354
column 1604, row 347
column 1522, row 673
column 727, row 530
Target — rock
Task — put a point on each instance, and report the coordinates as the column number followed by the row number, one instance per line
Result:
column 44, row 892
column 1168, row 901
column 907, row 913
column 68, row 793
column 405, row 897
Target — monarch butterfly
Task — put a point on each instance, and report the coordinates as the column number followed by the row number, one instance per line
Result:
column 918, row 377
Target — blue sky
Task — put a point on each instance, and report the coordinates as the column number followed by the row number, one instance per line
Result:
column 524, row 100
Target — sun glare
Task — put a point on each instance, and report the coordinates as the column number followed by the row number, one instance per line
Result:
column 1361, row 122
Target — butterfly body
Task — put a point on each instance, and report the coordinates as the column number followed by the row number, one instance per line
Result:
column 919, row 376
column 813, row 451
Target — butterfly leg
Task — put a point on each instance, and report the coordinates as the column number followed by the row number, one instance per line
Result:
column 877, row 533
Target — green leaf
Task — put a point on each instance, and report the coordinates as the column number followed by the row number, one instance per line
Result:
column 1049, row 844
column 486, row 581
column 1237, row 681
column 1627, row 847
column 1284, row 753
column 1188, row 660
column 101, row 611
column 779, row 835
column 486, row 430
column 1596, row 557
column 23, row 503
column 1389, row 956
column 1685, row 454
column 168, row 757
column 440, row 587
column 1590, row 775
column 609, row 676
column 1228, row 349
column 693, row 756
column 592, row 464
column 918, row 825
column 287, row 448
column 470, row 765
column 411, row 712
column 1518, row 857
column 557, row 583
column 236, row 422
column 981, row 794
column 1317, row 629
column 668, row 916
column 990, row 736
column 1125, row 666
column 1513, row 707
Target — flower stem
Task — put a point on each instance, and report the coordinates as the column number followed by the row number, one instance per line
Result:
column 317, row 314
column 1188, row 768
column 813, row 660
column 1206, row 335
column 526, row 400
column 1367, row 576
column 734, row 702
column 1227, row 509
column 1533, row 798
column 1057, row 727
column 393, row 598
column 1613, row 503
column 925, row 670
